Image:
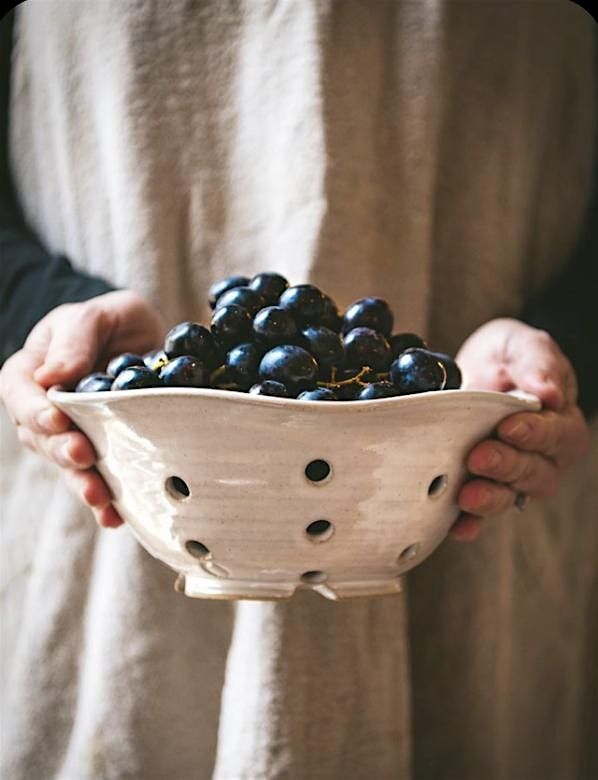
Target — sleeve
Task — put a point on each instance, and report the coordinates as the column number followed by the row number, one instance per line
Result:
column 32, row 280
column 568, row 309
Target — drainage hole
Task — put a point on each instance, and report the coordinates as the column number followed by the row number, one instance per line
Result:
column 437, row 485
column 196, row 549
column 314, row 577
column 317, row 470
column 408, row 553
column 319, row 530
column 177, row 488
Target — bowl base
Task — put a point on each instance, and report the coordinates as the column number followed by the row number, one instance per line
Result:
column 204, row 588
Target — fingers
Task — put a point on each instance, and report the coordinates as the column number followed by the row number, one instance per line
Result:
column 90, row 488
column 466, row 528
column 26, row 402
column 562, row 437
column 528, row 472
column 69, row 450
column 74, row 453
column 485, row 498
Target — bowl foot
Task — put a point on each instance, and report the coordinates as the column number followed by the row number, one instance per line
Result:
column 207, row 588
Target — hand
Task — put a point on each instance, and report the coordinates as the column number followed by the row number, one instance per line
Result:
column 533, row 448
column 71, row 341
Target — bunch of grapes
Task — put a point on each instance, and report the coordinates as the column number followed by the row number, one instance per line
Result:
column 268, row 338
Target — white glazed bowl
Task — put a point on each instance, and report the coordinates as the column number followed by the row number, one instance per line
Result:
column 396, row 466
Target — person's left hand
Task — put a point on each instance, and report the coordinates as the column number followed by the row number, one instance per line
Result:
column 532, row 449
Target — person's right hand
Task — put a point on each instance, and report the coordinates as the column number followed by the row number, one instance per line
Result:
column 71, row 341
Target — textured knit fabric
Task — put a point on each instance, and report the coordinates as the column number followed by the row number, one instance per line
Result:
column 436, row 154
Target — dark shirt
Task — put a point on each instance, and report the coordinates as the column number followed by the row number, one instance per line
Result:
column 33, row 280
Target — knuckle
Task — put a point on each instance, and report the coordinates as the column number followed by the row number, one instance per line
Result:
column 516, row 468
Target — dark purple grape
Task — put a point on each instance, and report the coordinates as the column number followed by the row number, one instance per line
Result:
column 136, row 378
column 293, row 366
column 185, row 371
column 348, row 391
column 231, row 325
column 242, row 364
column 454, row 378
column 269, row 387
column 319, row 394
column 375, row 390
column 417, row 371
column 244, row 297
column 274, row 325
column 402, row 341
column 156, row 359
column 373, row 313
column 120, row 362
column 331, row 317
column 223, row 285
column 324, row 344
column 305, row 302
column 270, row 286
column 224, row 379
column 190, row 338
column 94, row 383
column 366, row 347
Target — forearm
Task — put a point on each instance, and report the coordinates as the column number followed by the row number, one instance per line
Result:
column 32, row 280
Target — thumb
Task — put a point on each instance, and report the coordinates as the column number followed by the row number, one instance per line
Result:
column 544, row 371
column 77, row 338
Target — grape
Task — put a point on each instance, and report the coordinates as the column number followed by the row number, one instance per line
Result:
column 223, row 285
column 185, row 371
column 375, row 390
column 190, row 338
column 453, row 372
column 120, row 362
column 293, row 366
column 324, row 344
column 366, row 347
column 242, row 296
column 402, row 341
column 417, row 371
column 231, row 325
column 269, row 286
column 274, row 325
column 242, row 363
column 305, row 302
column 94, row 383
column 371, row 313
column 319, row 394
column 136, row 378
column 269, row 387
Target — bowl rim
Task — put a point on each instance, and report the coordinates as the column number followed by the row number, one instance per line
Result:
column 519, row 400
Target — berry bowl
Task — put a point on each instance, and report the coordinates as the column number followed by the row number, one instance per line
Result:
column 253, row 497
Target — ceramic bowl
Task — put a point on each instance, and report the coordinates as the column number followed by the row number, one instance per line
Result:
column 252, row 497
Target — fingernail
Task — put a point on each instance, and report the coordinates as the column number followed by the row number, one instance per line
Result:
column 481, row 499
column 519, row 431
column 65, row 451
column 493, row 458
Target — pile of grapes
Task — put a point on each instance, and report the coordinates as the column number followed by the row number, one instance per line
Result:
column 268, row 338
